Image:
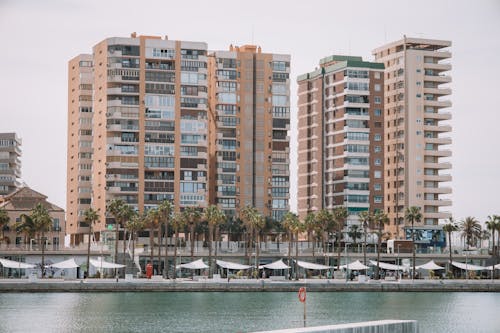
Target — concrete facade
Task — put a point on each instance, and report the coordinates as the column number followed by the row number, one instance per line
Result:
column 10, row 163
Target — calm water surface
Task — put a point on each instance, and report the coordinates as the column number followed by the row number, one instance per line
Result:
column 241, row 312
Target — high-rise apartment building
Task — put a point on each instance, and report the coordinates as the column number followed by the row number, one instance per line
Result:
column 10, row 163
column 148, row 99
column 415, row 82
column 250, row 119
column 341, row 137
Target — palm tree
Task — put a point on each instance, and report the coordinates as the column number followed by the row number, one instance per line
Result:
column 166, row 209
column 125, row 213
column 289, row 222
column 178, row 222
column 471, row 230
column 413, row 215
column 134, row 225
column 247, row 216
column 152, row 223
column 326, row 223
column 380, row 219
column 365, row 218
column 339, row 215
column 296, row 228
column 493, row 225
column 90, row 216
column 4, row 221
column 449, row 228
column 214, row 217
column 354, row 233
column 43, row 223
column 115, row 208
column 192, row 217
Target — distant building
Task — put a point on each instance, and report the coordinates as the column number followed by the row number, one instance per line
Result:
column 341, row 137
column 249, row 94
column 416, row 171
column 10, row 163
column 22, row 201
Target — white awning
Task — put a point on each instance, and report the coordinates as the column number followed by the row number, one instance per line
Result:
column 490, row 268
column 431, row 265
column 15, row 264
column 100, row 263
column 231, row 265
column 70, row 263
column 469, row 267
column 387, row 266
column 275, row 265
column 197, row 264
column 355, row 265
column 310, row 265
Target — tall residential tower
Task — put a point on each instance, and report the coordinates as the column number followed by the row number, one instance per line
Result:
column 341, row 137
column 416, row 168
column 10, row 163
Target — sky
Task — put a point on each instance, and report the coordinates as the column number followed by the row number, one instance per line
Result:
column 40, row 37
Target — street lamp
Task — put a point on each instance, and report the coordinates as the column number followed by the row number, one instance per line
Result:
column 346, row 263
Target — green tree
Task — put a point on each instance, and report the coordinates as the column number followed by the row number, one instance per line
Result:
column 115, row 208
column 90, row 217
column 247, row 216
column 366, row 219
column 493, row 225
column 126, row 213
column 380, row 219
column 166, row 209
column 325, row 223
column 354, row 234
column 471, row 231
column 413, row 215
column 192, row 217
column 290, row 221
column 214, row 217
column 178, row 222
column 339, row 215
column 449, row 228
column 311, row 225
column 4, row 221
column 134, row 225
column 153, row 218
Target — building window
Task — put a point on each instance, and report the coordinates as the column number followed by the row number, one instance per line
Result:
column 377, row 174
column 377, row 87
column 378, row 161
column 378, row 149
column 377, row 100
column 377, row 199
column 377, row 112
column 377, row 187
column 376, row 75
column 377, row 137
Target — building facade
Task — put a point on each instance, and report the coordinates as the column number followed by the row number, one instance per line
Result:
column 10, row 163
column 149, row 126
column 416, row 168
column 341, row 137
column 21, row 202
column 249, row 123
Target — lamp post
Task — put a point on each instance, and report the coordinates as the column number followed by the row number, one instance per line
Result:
column 346, row 263
column 398, row 263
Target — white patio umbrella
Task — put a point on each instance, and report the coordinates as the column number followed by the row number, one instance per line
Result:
column 431, row 265
column 275, row 265
column 355, row 266
column 197, row 264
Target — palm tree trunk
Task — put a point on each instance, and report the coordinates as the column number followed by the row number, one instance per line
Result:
column 364, row 250
column 117, row 235
column 296, row 256
column 133, row 246
column 210, row 240
column 379, row 244
column 314, row 242
column 191, row 231
column 88, row 252
column 151, row 244
column 43, row 255
column 124, row 250
column 414, row 255
column 216, row 246
column 159, row 249
column 165, row 263
column 339, row 249
column 290, row 252
column 325, row 252
column 175, row 253
column 257, row 252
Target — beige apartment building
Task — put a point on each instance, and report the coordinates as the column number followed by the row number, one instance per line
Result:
column 10, row 163
column 416, row 168
column 341, row 137
column 149, row 128
column 249, row 123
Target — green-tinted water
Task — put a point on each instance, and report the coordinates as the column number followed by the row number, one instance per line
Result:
column 241, row 312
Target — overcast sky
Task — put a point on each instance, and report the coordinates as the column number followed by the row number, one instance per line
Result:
column 39, row 37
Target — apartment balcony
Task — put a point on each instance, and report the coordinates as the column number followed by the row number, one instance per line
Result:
column 438, row 190
column 438, row 178
column 439, row 153
column 437, row 128
column 437, row 78
column 439, row 140
column 438, row 91
column 443, row 165
column 437, row 54
column 437, row 215
column 356, row 105
column 438, row 67
column 438, row 104
column 115, row 102
column 444, row 202
column 438, row 115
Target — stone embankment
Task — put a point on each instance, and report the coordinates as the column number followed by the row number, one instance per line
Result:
column 111, row 285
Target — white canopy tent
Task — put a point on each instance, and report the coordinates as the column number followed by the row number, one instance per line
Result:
column 469, row 267
column 15, row 264
column 100, row 263
column 232, row 265
column 310, row 265
column 70, row 263
column 275, row 265
column 355, row 265
column 490, row 268
column 197, row 264
column 431, row 265
column 387, row 266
